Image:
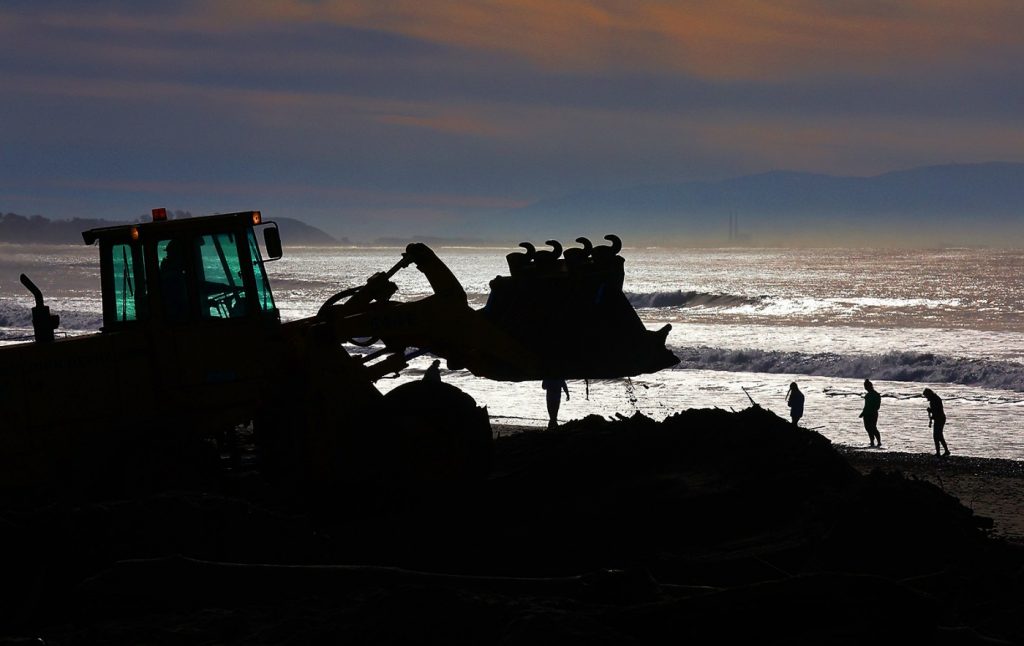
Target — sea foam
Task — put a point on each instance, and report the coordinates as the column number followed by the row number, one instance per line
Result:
column 679, row 298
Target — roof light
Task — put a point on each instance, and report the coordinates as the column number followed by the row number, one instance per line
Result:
column 257, row 217
column 159, row 215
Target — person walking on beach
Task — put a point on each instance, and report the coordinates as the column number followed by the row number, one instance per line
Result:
column 872, row 402
column 936, row 420
column 795, row 398
column 554, row 388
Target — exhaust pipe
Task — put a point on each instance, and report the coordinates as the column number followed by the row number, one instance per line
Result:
column 43, row 323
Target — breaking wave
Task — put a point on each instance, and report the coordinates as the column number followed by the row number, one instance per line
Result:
column 891, row 366
column 18, row 316
column 680, row 298
column 13, row 315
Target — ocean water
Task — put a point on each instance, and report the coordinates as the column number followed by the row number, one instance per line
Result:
column 745, row 323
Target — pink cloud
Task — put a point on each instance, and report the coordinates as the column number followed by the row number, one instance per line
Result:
column 714, row 39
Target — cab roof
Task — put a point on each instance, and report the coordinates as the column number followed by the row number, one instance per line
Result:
column 163, row 228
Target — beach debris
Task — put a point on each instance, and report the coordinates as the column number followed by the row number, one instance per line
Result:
column 752, row 402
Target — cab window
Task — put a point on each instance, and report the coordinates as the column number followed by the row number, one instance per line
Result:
column 263, row 294
column 219, row 277
column 129, row 283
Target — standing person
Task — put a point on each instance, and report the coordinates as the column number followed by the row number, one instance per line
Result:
column 554, row 388
column 872, row 402
column 795, row 398
column 936, row 420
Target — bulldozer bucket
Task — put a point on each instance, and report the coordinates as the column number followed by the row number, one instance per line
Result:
column 552, row 317
column 570, row 312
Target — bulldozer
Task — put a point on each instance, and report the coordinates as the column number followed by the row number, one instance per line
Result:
column 192, row 343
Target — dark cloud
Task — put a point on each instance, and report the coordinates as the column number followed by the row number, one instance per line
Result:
column 336, row 106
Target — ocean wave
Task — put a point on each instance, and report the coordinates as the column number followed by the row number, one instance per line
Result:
column 18, row 316
column 892, row 303
column 15, row 315
column 680, row 298
column 922, row 367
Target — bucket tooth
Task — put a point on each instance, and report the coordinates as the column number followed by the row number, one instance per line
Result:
column 575, row 256
column 517, row 262
column 548, row 261
column 605, row 253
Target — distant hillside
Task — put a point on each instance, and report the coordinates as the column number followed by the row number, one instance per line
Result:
column 38, row 229
column 433, row 241
column 299, row 234
column 962, row 202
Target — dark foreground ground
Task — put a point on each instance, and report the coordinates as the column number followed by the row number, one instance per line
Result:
column 709, row 527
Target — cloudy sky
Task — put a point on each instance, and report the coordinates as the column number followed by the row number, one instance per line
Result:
column 372, row 117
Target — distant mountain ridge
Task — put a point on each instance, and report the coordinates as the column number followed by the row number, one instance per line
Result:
column 433, row 241
column 944, row 205
column 38, row 229
column 955, row 200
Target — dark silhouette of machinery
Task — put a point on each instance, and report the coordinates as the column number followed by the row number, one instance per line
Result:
column 192, row 344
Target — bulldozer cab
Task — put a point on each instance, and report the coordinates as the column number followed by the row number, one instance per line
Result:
column 184, row 352
column 194, row 293
column 177, row 272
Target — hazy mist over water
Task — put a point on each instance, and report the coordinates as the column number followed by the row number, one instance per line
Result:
column 754, row 319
